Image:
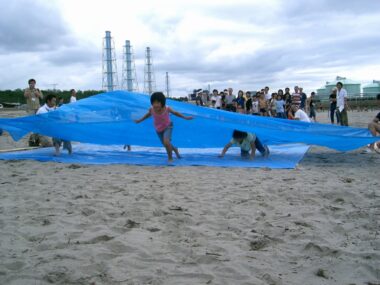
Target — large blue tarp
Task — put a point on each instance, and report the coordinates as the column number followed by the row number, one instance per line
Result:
column 284, row 156
column 107, row 119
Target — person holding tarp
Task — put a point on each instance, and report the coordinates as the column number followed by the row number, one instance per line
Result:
column 49, row 106
column 248, row 143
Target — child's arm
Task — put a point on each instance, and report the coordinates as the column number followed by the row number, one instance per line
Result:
column 226, row 147
column 179, row 114
column 146, row 116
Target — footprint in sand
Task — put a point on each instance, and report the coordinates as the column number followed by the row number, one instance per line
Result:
column 17, row 265
column 98, row 239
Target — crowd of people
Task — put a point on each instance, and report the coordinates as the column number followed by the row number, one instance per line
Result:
column 281, row 104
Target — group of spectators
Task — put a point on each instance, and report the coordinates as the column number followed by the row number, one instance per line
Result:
column 280, row 104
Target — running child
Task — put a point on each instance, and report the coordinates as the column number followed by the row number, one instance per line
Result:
column 162, row 122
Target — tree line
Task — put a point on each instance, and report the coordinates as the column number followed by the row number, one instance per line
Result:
column 17, row 95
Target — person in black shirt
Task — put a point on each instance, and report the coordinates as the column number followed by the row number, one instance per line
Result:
column 333, row 107
column 248, row 103
column 311, row 106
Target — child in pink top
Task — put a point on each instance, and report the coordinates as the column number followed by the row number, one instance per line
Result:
column 162, row 122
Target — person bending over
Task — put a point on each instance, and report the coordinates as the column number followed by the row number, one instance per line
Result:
column 50, row 106
column 374, row 128
column 299, row 114
column 248, row 143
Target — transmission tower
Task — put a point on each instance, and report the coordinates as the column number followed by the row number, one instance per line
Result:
column 110, row 81
column 167, row 84
column 129, row 76
column 149, row 79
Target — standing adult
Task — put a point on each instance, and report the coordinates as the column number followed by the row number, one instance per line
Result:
column 341, row 104
column 296, row 96
column 214, row 97
column 268, row 96
column 303, row 99
column 205, row 98
column 311, row 107
column 33, row 96
column 230, row 101
column 240, row 102
column 333, row 106
column 73, row 97
column 248, row 103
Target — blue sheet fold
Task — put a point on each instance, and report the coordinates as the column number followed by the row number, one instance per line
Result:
column 284, row 156
column 107, row 119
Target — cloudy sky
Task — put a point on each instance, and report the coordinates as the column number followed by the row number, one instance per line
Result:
column 244, row 44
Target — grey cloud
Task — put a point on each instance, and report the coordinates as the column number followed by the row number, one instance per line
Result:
column 31, row 26
column 80, row 54
column 159, row 25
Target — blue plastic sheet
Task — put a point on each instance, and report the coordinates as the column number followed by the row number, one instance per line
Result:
column 107, row 119
column 284, row 156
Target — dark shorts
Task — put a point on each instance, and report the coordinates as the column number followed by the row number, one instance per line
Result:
column 312, row 113
column 262, row 110
column 230, row 107
column 263, row 149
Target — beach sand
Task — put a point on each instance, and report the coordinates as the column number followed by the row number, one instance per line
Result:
column 121, row 224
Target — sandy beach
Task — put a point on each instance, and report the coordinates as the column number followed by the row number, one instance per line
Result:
column 121, row 224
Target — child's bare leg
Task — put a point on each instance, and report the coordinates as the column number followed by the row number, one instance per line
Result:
column 168, row 147
column 175, row 149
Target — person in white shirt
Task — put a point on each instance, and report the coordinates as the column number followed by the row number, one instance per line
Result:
column 214, row 97
column 268, row 96
column 49, row 106
column 38, row 139
column 299, row 114
column 218, row 103
column 73, row 97
column 341, row 104
column 255, row 105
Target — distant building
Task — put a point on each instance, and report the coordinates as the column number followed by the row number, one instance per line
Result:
column 353, row 88
column 372, row 89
